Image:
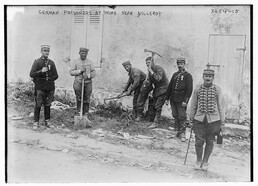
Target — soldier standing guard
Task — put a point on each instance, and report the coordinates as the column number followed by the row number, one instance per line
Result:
column 179, row 92
column 83, row 68
column 134, row 84
column 207, row 115
column 44, row 73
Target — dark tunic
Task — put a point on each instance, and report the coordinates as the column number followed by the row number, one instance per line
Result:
column 180, row 87
column 44, row 80
column 136, row 78
column 159, row 79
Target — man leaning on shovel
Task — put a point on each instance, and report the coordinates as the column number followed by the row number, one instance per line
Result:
column 82, row 68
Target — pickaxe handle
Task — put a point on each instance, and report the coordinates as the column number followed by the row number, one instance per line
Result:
column 117, row 97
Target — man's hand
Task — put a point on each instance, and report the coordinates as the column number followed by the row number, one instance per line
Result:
column 85, row 76
column 82, row 69
column 44, row 69
column 146, row 82
column 167, row 102
column 150, row 70
column 222, row 127
column 190, row 123
column 128, row 93
column 119, row 95
column 184, row 104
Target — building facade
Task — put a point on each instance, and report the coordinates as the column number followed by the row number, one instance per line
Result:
column 215, row 35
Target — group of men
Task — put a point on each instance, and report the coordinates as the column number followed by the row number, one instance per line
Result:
column 206, row 113
column 178, row 91
column 44, row 74
column 206, row 109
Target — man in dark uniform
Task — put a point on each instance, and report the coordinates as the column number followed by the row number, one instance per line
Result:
column 157, row 77
column 83, row 68
column 208, row 116
column 179, row 92
column 134, row 84
column 44, row 74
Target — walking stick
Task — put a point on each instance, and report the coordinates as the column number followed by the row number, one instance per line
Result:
column 188, row 144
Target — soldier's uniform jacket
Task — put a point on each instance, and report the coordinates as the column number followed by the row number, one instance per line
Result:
column 180, row 87
column 207, row 101
column 44, row 80
column 136, row 78
column 159, row 79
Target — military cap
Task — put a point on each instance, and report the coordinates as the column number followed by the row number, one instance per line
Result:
column 208, row 72
column 83, row 49
column 180, row 59
column 126, row 63
column 45, row 47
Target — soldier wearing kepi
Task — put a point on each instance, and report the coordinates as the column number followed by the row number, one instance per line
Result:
column 44, row 74
column 207, row 115
column 134, row 84
column 157, row 76
column 83, row 68
column 179, row 92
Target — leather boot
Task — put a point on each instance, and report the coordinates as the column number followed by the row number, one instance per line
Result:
column 198, row 165
column 78, row 106
column 139, row 118
column 157, row 118
column 182, row 137
column 36, row 113
column 205, row 166
column 85, row 109
column 47, row 112
column 182, row 125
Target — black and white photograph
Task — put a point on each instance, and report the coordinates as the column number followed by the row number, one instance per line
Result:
column 113, row 93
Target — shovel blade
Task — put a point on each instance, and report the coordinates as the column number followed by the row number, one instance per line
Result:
column 81, row 122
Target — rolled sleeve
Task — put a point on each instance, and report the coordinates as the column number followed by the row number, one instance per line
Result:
column 74, row 71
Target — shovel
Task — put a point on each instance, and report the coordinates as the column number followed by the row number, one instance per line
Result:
column 81, row 121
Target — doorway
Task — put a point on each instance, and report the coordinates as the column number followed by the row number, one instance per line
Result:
column 226, row 57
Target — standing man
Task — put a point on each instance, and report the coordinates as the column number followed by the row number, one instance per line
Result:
column 207, row 115
column 44, row 73
column 157, row 77
column 82, row 68
column 179, row 92
column 134, row 84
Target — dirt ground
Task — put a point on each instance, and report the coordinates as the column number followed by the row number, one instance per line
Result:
column 115, row 149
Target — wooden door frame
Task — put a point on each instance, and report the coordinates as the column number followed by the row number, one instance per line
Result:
column 243, row 56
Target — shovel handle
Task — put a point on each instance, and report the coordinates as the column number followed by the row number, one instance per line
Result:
column 82, row 93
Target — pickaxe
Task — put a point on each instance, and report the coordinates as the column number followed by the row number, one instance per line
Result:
column 153, row 53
